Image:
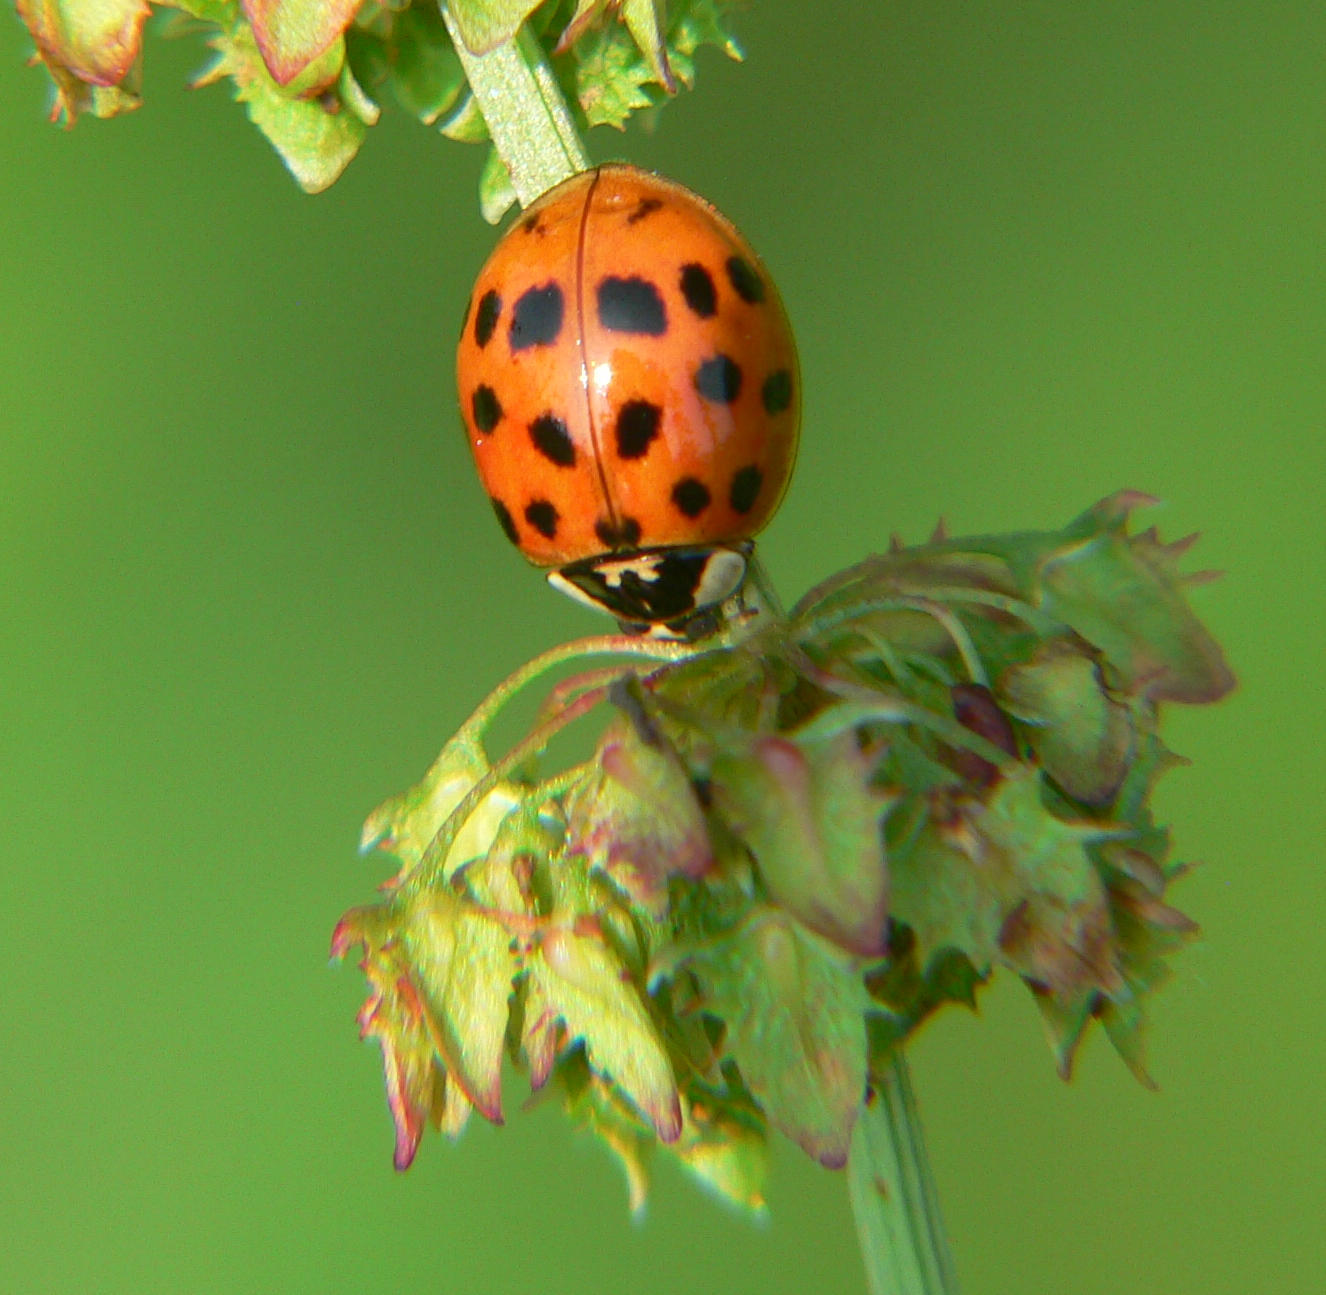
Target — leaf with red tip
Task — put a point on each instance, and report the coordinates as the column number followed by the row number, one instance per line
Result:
column 418, row 1091
column 96, row 41
column 811, row 817
column 638, row 819
column 794, row 1010
column 462, row 961
column 576, row 990
column 292, row 33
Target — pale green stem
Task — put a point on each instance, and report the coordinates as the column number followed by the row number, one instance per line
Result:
column 528, row 119
column 898, row 1225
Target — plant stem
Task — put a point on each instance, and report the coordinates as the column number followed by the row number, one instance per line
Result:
column 527, row 117
column 898, row 1225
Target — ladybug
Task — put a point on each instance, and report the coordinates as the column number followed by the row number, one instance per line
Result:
column 630, row 391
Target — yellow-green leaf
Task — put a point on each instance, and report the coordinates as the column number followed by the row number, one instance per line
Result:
column 463, row 963
column 96, row 40
column 292, row 33
column 576, row 990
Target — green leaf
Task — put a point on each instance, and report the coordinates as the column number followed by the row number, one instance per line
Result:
column 1056, row 930
column 463, row 964
column 610, row 76
column 576, row 990
column 638, row 819
column 406, row 824
column 724, row 1146
column 317, row 137
column 425, row 71
column 645, row 21
column 1082, row 736
column 811, row 816
column 96, row 41
column 396, row 1015
column 486, row 23
column 292, row 33
column 946, row 900
column 794, row 1011
column 1125, row 601
column 594, row 1102
column 693, row 23
column 496, row 192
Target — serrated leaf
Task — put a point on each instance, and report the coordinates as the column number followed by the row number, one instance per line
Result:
column 811, row 816
column 1112, row 592
column 610, row 76
column 316, row 138
column 1082, row 736
column 96, row 41
column 576, row 991
column 485, row 23
column 463, row 964
column 794, row 1011
column 292, row 33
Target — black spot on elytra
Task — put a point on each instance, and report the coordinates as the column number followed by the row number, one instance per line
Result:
column 746, row 483
column 776, row 394
column 748, row 284
column 719, row 379
column 486, row 408
column 645, row 207
column 624, row 534
column 504, row 520
column 532, row 224
column 537, row 317
column 485, row 318
column 697, row 286
column 631, row 306
column 543, row 517
column 637, row 424
column 552, row 440
column 691, row 496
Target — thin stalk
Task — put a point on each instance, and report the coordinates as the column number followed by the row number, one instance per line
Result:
column 528, row 119
column 898, row 1225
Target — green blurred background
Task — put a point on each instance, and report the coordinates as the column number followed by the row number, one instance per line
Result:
column 1034, row 252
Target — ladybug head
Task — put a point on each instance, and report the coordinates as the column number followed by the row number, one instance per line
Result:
column 672, row 593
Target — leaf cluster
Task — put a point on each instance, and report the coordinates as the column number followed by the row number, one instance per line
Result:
column 789, row 850
column 312, row 75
